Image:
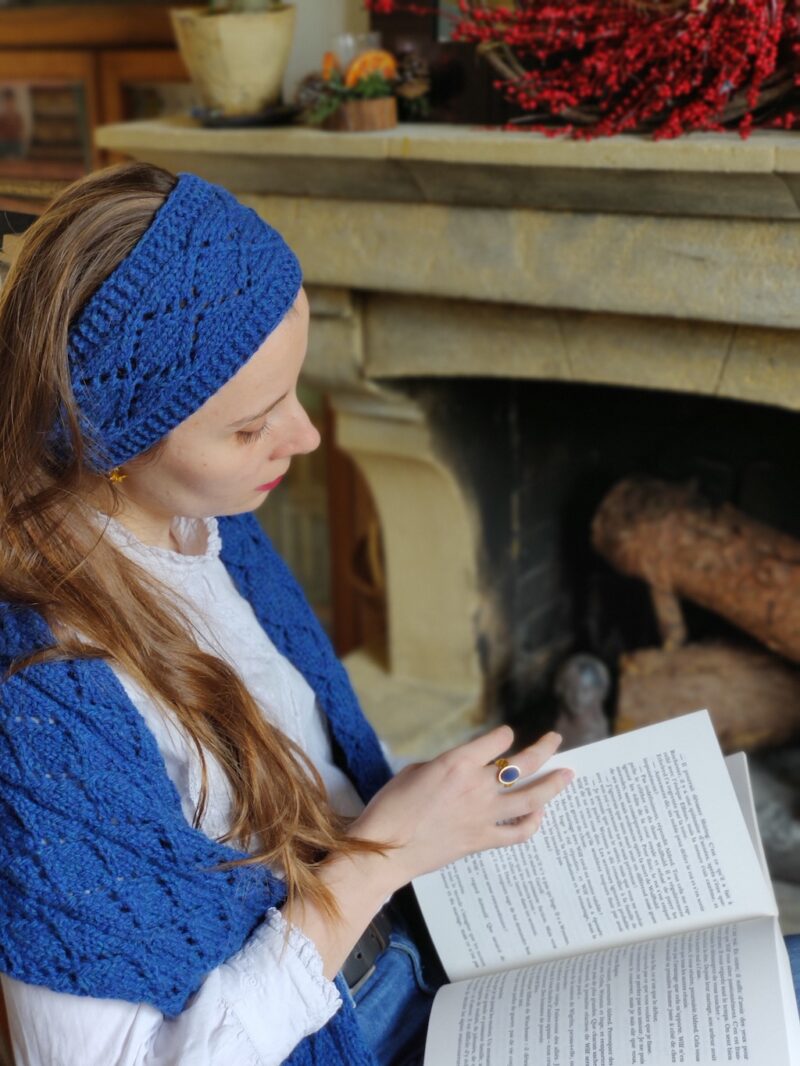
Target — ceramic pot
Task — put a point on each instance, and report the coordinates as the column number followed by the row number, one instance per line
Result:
column 238, row 60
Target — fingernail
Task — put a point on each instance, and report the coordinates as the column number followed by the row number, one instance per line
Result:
column 556, row 737
column 568, row 775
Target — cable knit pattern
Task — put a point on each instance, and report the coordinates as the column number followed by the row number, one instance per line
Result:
column 105, row 889
column 205, row 285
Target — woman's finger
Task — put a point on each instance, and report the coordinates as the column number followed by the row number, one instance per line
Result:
column 524, row 808
column 538, row 793
column 518, row 830
column 519, row 803
column 488, row 747
column 533, row 758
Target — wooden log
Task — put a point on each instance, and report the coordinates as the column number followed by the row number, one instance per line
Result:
column 716, row 556
column 669, row 617
column 753, row 697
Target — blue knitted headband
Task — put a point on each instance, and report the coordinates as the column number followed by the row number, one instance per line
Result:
column 204, row 286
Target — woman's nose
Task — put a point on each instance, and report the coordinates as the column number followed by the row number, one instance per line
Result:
column 306, row 437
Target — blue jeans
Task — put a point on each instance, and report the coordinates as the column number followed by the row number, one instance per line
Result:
column 793, row 947
column 393, row 1005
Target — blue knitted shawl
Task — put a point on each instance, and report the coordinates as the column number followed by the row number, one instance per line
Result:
column 105, row 889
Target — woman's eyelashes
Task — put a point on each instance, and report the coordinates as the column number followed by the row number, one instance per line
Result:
column 248, row 436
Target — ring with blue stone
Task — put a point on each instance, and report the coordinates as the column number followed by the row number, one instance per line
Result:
column 507, row 773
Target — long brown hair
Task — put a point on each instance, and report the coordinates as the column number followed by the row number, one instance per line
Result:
column 97, row 601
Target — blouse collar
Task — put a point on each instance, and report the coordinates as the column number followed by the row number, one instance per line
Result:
column 198, row 539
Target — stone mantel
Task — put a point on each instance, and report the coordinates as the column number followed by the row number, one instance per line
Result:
column 700, row 174
column 446, row 252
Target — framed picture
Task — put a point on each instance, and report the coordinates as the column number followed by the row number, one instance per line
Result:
column 48, row 108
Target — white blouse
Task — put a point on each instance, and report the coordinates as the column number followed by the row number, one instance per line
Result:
column 256, row 1007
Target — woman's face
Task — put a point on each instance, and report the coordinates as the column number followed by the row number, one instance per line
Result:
column 220, row 459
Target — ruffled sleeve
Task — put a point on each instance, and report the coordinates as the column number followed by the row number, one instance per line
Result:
column 251, row 1011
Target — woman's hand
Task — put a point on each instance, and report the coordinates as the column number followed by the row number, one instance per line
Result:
column 436, row 812
column 431, row 813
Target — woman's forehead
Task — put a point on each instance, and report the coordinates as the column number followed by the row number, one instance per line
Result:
column 271, row 371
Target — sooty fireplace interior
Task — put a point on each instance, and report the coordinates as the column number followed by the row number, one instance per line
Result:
column 540, row 458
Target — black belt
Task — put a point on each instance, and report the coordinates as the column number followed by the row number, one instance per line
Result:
column 360, row 963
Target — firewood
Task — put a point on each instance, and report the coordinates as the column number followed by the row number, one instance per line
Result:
column 669, row 617
column 753, row 697
column 716, row 556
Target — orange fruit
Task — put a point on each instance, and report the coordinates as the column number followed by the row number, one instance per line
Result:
column 330, row 64
column 376, row 61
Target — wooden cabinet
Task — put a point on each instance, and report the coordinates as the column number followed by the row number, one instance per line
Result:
column 66, row 69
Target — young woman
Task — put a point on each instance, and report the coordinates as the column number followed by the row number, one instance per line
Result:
column 200, row 837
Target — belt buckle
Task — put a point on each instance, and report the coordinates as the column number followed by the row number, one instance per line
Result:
column 372, row 942
column 362, row 980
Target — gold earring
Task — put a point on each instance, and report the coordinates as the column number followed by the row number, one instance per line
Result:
column 116, row 475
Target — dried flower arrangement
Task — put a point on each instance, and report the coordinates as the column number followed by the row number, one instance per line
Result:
column 594, row 68
column 336, row 93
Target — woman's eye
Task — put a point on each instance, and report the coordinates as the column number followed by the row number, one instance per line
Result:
column 247, row 437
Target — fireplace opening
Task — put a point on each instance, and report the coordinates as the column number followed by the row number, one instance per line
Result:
column 537, row 459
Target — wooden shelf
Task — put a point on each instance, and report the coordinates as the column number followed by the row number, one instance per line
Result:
column 86, row 26
column 105, row 50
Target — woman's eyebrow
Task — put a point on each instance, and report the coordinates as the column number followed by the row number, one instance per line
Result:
column 251, row 418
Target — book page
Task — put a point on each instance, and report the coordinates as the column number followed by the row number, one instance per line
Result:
column 705, row 997
column 789, row 1005
column 737, row 768
column 649, row 839
column 740, row 779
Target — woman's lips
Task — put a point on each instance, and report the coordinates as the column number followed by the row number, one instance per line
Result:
column 272, row 485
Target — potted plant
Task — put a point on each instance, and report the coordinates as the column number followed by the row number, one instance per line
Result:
column 363, row 94
column 236, row 52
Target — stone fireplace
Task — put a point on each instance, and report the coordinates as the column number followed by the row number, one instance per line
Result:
column 506, row 325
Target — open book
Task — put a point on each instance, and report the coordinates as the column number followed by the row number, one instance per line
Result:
column 637, row 927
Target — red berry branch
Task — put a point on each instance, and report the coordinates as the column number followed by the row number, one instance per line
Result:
column 594, row 68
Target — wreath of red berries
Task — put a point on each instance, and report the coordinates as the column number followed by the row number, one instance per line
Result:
column 594, row 68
